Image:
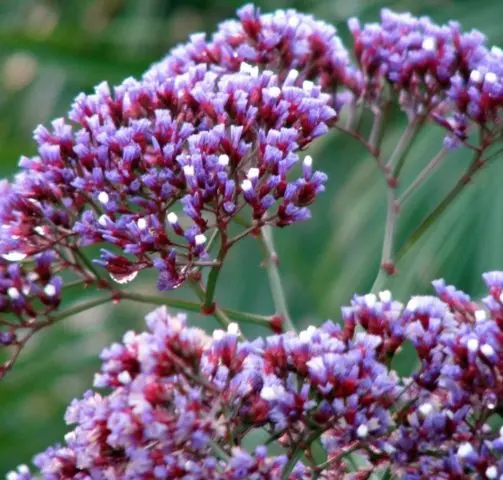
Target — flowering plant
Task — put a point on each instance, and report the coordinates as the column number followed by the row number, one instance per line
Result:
column 170, row 172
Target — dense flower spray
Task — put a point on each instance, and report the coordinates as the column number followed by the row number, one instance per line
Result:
column 172, row 170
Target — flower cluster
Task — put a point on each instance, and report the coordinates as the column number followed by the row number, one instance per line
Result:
column 283, row 41
column 225, row 388
column 151, row 168
column 206, row 138
column 435, row 70
column 215, row 144
column 331, row 382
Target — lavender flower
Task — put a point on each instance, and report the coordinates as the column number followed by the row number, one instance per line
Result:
column 330, row 382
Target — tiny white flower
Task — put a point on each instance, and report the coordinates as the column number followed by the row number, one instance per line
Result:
column 306, row 335
column 50, row 290
column 233, row 329
column 200, row 239
column 274, row 92
column 429, row 43
column 370, row 299
column 249, row 69
column 385, row 296
column 272, row 392
column 490, row 77
column 13, row 293
column 188, row 170
column 103, row 198
column 142, row 223
column 103, row 220
column 362, row 431
column 308, row 86
column 425, row 409
column 124, row 377
column 223, row 160
column 253, row 173
column 308, row 161
column 172, row 218
column 492, row 472
column 464, row 450
column 475, row 76
column 293, row 74
column 480, row 315
column 472, row 345
column 32, row 276
column 246, row 185
column 487, row 350
column 293, row 21
column 218, row 334
column 14, row 256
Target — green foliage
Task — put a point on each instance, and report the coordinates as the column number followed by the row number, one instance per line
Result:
column 51, row 50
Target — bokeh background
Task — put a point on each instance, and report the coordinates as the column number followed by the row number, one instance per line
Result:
column 52, row 50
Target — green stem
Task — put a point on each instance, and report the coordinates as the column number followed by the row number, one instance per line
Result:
column 211, row 287
column 375, row 136
column 196, row 307
column 219, row 314
column 423, row 175
column 75, row 283
column 352, row 115
column 387, row 474
column 87, row 263
column 246, row 317
column 215, row 272
column 440, row 208
column 160, row 300
column 386, row 263
column 397, row 159
column 297, row 452
column 219, row 451
column 212, row 240
column 277, row 291
column 327, row 463
column 81, row 307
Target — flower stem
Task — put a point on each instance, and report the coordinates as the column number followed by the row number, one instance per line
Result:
column 376, row 132
column 215, row 272
column 219, row 314
column 442, row 206
column 161, row 300
column 343, row 453
column 218, row 451
column 397, row 159
column 386, row 266
column 277, row 291
column 87, row 263
column 297, row 451
column 81, row 307
column 246, row 317
column 423, row 175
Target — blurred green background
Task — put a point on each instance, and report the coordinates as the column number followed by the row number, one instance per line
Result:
column 51, row 50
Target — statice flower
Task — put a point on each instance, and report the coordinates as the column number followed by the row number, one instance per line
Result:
column 332, row 383
column 308, row 50
column 417, row 57
column 204, row 143
column 224, row 387
column 478, row 94
column 151, row 169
